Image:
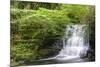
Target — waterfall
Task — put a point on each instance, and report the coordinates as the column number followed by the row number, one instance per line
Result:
column 74, row 43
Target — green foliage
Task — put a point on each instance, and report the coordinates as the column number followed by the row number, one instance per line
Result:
column 34, row 5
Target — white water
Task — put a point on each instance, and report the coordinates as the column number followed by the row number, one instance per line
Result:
column 73, row 46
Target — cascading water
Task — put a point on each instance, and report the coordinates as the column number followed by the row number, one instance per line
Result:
column 75, row 45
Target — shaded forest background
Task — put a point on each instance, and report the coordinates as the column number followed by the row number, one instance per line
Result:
column 37, row 28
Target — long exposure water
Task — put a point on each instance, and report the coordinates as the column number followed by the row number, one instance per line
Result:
column 75, row 45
